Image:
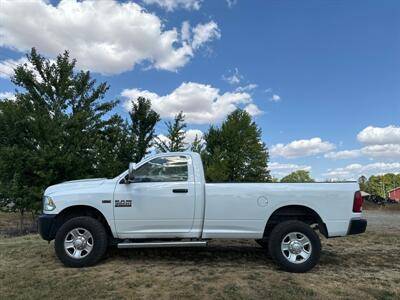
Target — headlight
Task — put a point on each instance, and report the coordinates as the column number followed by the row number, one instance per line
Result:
column 48, row 204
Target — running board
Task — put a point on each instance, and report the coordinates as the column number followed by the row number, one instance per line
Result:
column 162, row 244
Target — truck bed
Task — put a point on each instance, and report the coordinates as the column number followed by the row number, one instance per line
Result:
column 244, row 208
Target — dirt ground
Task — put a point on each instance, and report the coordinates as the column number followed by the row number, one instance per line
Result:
column 358, row 267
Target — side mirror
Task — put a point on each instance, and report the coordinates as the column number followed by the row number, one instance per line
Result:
column 132, row 168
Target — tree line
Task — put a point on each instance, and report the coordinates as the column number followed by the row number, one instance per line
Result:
column 298, row 176
column 379, row 185
column 60, row 126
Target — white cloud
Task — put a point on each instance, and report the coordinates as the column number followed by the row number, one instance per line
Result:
column 382, row 151
column 354, row 171
column 201, row 103
column 234, row 78
column 380, row 135
column 280, row 170
column 7, row 95
column 203, row 33
column 185, row 31
column 381, row 142
column 171, row 5
column 104, row 36
column 345, row 154
column 7, row 66
column 301, row 148
column 389, row 151
column 275, row 98
column 347, row 172
column 231, row 3
column 247, row 88
column 191, row 135
column 253, row 110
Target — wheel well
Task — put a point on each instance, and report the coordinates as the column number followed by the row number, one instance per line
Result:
column 79, row 211
column 295, row 212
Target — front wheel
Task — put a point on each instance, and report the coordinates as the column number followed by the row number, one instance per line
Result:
column 81, row 242
column 295, row 246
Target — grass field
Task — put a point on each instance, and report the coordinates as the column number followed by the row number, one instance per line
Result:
column 365, row 266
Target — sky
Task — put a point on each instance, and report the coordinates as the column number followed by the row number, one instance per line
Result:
column 320, row 78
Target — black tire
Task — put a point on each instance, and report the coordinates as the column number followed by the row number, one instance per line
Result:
column 99, row 240
column 280, row 232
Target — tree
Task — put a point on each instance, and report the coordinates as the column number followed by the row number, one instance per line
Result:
column 298, row 176
column 235, row 152
column 115, row 148
column 197, row 145
column 362, row 183
column 54, row 130
column 215, row 165
column 18, row 191
column 143, row 122
column 274, row 180
column 380, row 185
column 176, row 135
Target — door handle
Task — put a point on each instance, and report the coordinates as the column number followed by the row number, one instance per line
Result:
column 180, row 190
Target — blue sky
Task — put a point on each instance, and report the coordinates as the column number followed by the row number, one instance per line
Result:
column 321, row 78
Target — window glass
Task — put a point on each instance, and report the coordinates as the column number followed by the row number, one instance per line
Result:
column 163, row 169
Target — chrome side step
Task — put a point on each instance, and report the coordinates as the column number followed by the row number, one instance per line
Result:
column 162, row 244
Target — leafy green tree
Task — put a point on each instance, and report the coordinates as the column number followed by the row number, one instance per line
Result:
column 52, row 131
column 175, row 137
column 298, row 176
column 375, row 186
column 215, row 165
column 380, row 185
column 234, row 152
column 274, row 180
column 197, row 145
column 18, row 188
column 390, row 181
column 143, row 122
column 362, row 183
column 114, row 148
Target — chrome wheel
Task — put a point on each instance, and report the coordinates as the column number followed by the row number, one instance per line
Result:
column 296, row 247
column 78, row 243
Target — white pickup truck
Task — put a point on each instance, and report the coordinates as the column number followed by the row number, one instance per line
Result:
column 164, row 201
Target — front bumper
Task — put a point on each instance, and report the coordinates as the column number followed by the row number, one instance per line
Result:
column 47, row 226
column 357, row 226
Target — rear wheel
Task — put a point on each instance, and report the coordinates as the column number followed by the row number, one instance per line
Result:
column 295, row 246
column 81, row 242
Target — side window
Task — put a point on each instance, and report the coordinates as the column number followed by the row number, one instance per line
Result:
column 163, row 169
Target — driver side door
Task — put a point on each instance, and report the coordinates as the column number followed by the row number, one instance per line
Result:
column 160, row 201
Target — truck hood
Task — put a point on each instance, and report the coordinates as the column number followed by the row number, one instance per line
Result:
column 74, row 184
